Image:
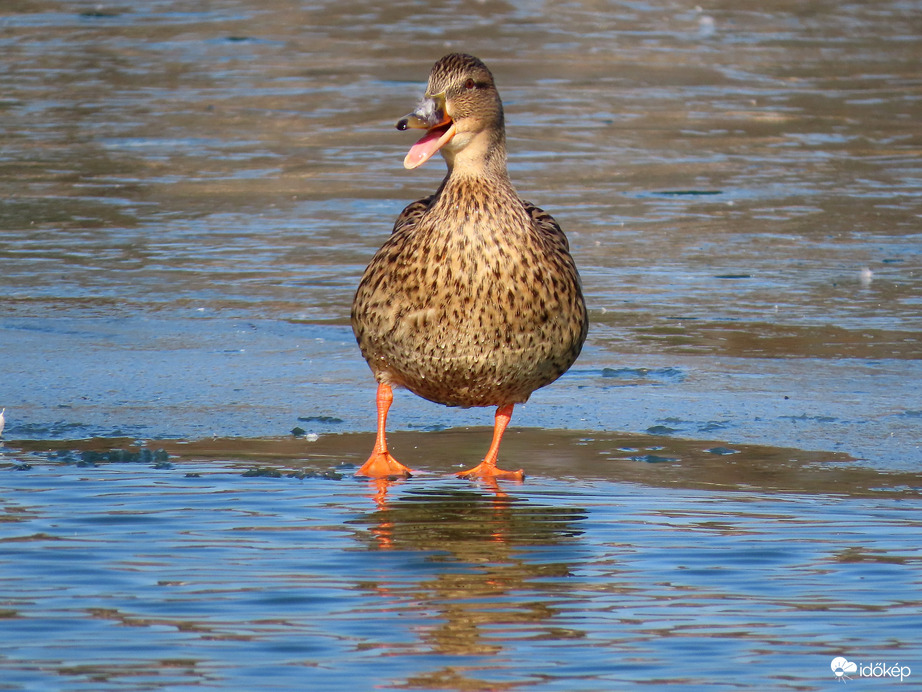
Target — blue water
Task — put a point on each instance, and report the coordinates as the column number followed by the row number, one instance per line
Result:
column 122, row 577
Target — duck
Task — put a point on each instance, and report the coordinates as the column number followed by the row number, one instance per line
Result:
column 474, row 299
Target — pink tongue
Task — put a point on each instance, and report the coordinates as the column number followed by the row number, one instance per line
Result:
column 423, row 150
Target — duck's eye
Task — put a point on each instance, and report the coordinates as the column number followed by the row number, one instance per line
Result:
column 470, row 84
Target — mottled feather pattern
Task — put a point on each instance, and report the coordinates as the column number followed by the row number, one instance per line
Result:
column 412, row 213
column 473, row 301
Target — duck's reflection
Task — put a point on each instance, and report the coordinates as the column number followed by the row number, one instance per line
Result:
column 494, row 564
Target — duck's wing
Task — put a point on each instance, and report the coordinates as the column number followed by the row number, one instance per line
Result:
column 546, row 226
column 411, row 215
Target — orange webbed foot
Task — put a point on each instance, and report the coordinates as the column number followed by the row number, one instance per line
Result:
column 486, row 471
column 383, row 465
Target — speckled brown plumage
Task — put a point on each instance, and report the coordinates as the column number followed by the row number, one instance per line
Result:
column 474, row 299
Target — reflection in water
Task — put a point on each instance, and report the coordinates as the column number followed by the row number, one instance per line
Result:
column 201, row 573
column 495, row 562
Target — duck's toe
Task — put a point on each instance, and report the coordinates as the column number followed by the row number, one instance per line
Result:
column 487, row 471
column 383, row 465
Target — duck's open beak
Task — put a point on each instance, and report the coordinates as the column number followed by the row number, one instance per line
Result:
column 429, row 115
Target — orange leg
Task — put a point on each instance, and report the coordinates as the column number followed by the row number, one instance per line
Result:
column 486, row 469
column 381, row 464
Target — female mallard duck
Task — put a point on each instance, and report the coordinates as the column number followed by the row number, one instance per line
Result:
column 474, row 299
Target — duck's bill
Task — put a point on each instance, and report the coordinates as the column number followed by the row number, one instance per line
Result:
column 430, row 143
column 430, row 116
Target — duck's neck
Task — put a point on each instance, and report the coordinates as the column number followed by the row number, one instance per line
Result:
column 481, row 155
column 477, row 195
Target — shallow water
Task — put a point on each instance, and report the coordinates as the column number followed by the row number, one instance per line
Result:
column 281, row 571
column 190, row 194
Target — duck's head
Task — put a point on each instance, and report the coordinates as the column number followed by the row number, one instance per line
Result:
column 460, row 111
